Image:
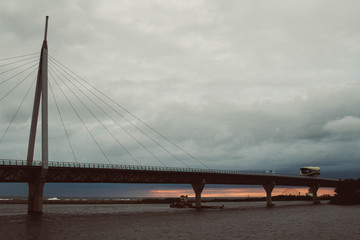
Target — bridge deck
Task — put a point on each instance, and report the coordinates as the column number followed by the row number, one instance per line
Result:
column 64, row 172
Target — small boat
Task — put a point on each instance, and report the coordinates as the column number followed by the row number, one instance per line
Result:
column 184, row 202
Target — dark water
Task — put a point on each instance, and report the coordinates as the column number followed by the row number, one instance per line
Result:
column 251, row 220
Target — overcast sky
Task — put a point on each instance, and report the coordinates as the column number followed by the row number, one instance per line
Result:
column 248, row 85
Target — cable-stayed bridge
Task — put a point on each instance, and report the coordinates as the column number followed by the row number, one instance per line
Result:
column 85, row 121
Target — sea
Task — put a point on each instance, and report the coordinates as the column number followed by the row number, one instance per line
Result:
column 237, row 220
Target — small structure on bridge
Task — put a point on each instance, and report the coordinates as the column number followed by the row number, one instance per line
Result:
column 310, row 171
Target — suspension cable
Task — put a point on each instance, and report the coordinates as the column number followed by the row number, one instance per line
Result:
column 17, row 85
column 145, row 124
column 35, row 60
column 18, row 74
column 14, row 116
column 22, row 60
column 124, row 129
column 97, row 119
column 78, row 115
column 145, row 134
column 5, row 59
column 62, row 121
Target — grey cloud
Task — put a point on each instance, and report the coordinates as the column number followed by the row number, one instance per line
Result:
column 344, row 125
column 237, row 84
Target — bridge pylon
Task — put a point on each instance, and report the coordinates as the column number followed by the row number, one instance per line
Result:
column 198, row 187
column 36, row 183
column 268, row 189
column 313, row 190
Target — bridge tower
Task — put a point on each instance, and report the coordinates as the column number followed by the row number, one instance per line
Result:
column 36, row 183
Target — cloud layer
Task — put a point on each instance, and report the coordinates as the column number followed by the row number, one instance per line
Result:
column 238, row 84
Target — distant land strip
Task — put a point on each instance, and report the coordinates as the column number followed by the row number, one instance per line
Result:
column 162, row 200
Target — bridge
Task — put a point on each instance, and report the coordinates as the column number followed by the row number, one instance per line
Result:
column 37, row 173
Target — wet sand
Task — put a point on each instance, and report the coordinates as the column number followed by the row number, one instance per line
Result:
column 287, row 220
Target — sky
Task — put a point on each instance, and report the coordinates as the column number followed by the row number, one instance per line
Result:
column 246, row 85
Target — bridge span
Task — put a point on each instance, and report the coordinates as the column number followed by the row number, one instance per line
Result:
column 69, row 172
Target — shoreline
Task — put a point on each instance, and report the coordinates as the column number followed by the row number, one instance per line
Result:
column 14, row 200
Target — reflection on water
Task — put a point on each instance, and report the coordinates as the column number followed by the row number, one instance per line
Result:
column 240, row 220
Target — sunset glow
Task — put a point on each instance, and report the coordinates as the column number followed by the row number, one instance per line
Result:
column 237, row 192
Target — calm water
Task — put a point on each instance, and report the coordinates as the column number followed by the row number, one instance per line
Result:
column 287, row 220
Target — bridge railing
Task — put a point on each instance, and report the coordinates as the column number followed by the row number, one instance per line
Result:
column 12, row 162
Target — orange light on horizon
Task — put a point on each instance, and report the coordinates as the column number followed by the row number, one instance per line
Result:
column 237, row 192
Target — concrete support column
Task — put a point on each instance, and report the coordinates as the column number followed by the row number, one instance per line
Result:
column 198, row 188
column 268, row 189
column 314, row 190
column 35, row 199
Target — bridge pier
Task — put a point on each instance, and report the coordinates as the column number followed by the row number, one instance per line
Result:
column 198, row 188
column 268, row 189
column 35, row 197
column 313, row 190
